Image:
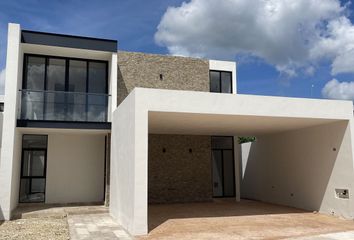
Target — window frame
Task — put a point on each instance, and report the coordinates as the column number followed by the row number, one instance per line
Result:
column 220, row 82
column 22, row 176
column 67, row 75
column 67, row 65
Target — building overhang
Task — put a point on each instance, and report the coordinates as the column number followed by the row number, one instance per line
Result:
column 61, row 40
column 203, row 113
column 63, row 124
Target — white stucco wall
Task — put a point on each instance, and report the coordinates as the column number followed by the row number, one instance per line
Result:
column 10, row 158
column 186, row 112
column 113, row 83
column 302, row 168
column 128, row 193
column 75, row 168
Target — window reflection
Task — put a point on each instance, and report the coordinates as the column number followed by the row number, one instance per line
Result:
column 220, row 82
column 63, row 89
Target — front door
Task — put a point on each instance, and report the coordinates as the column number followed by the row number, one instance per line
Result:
column 33, row 168
column 223, row 167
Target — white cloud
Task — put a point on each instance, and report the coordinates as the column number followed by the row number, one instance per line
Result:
column 338, row 90
column 2, row 81
column 289, row 34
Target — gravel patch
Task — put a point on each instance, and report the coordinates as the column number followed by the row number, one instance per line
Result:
column 35, row 229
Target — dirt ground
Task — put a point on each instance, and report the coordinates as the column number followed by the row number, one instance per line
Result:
column 238, row 221
column 35, row 229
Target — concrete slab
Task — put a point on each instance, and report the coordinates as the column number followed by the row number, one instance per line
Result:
column 245, row 220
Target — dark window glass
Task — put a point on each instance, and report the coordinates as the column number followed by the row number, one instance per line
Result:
column 33, row 163
column 35, row 73
column 77, row 83
column 32, row 190
column 221, row 143
column 56, row 75
column 97, row 104
column 214, row 81
column 220, row 82
column 77, row 76
column 97, row 77
column 226, row 82
column 55, row 102
column 223, row 166
column 217, row 173
column 34, row 141
column 228, row 166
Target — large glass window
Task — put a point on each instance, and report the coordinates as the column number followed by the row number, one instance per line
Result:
column 55, row 102
column 56, row 74
column 64, row 89
column 97, row 84
column 33, row 170
column 220, row 81
column 77, row 84
column 97, row 77
column 35, row 73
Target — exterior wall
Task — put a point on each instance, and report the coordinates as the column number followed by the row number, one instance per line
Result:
column 10, row 159
column 178, row 175
column 75, row 168
column 302, row 169
column 143, row 70
column 228, row 67
column 128, row 190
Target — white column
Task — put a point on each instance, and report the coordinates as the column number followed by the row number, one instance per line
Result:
column 9, row 167
column 113, row 81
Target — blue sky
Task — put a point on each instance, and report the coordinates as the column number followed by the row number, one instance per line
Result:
column 134, row 24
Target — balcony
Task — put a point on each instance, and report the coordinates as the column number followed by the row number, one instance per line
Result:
column 60, row 106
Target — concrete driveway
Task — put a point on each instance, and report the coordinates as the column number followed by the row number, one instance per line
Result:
column 226, row 219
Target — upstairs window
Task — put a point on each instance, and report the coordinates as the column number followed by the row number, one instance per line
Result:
column 49, row 73
column 220, row 81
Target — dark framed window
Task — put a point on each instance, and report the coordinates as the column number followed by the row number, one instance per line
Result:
column 64, row 89
column 42, row 72
column 220, row 81
column 223, row 165
column 33, row 168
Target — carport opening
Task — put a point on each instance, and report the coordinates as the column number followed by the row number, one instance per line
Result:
column 287, row 170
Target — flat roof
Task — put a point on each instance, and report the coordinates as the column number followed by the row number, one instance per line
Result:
column 70, row 41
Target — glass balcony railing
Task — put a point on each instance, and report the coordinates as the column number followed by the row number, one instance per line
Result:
column 63, row 106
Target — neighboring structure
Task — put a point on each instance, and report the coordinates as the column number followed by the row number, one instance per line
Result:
column 84, row 123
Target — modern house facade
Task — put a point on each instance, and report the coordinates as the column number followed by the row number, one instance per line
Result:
column 86, row 123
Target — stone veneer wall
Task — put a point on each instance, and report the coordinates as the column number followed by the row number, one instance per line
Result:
column 143, row 70
column 177, row 175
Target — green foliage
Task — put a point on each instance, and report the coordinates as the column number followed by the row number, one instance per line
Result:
column 246, row 139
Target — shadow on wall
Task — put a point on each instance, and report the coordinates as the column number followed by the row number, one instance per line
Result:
column 1, row 215
column 122, row 88
column 298, row 168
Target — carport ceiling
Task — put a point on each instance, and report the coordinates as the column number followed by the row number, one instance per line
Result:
column 216, row 124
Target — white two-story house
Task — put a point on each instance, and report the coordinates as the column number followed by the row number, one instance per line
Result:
column 86, row 123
